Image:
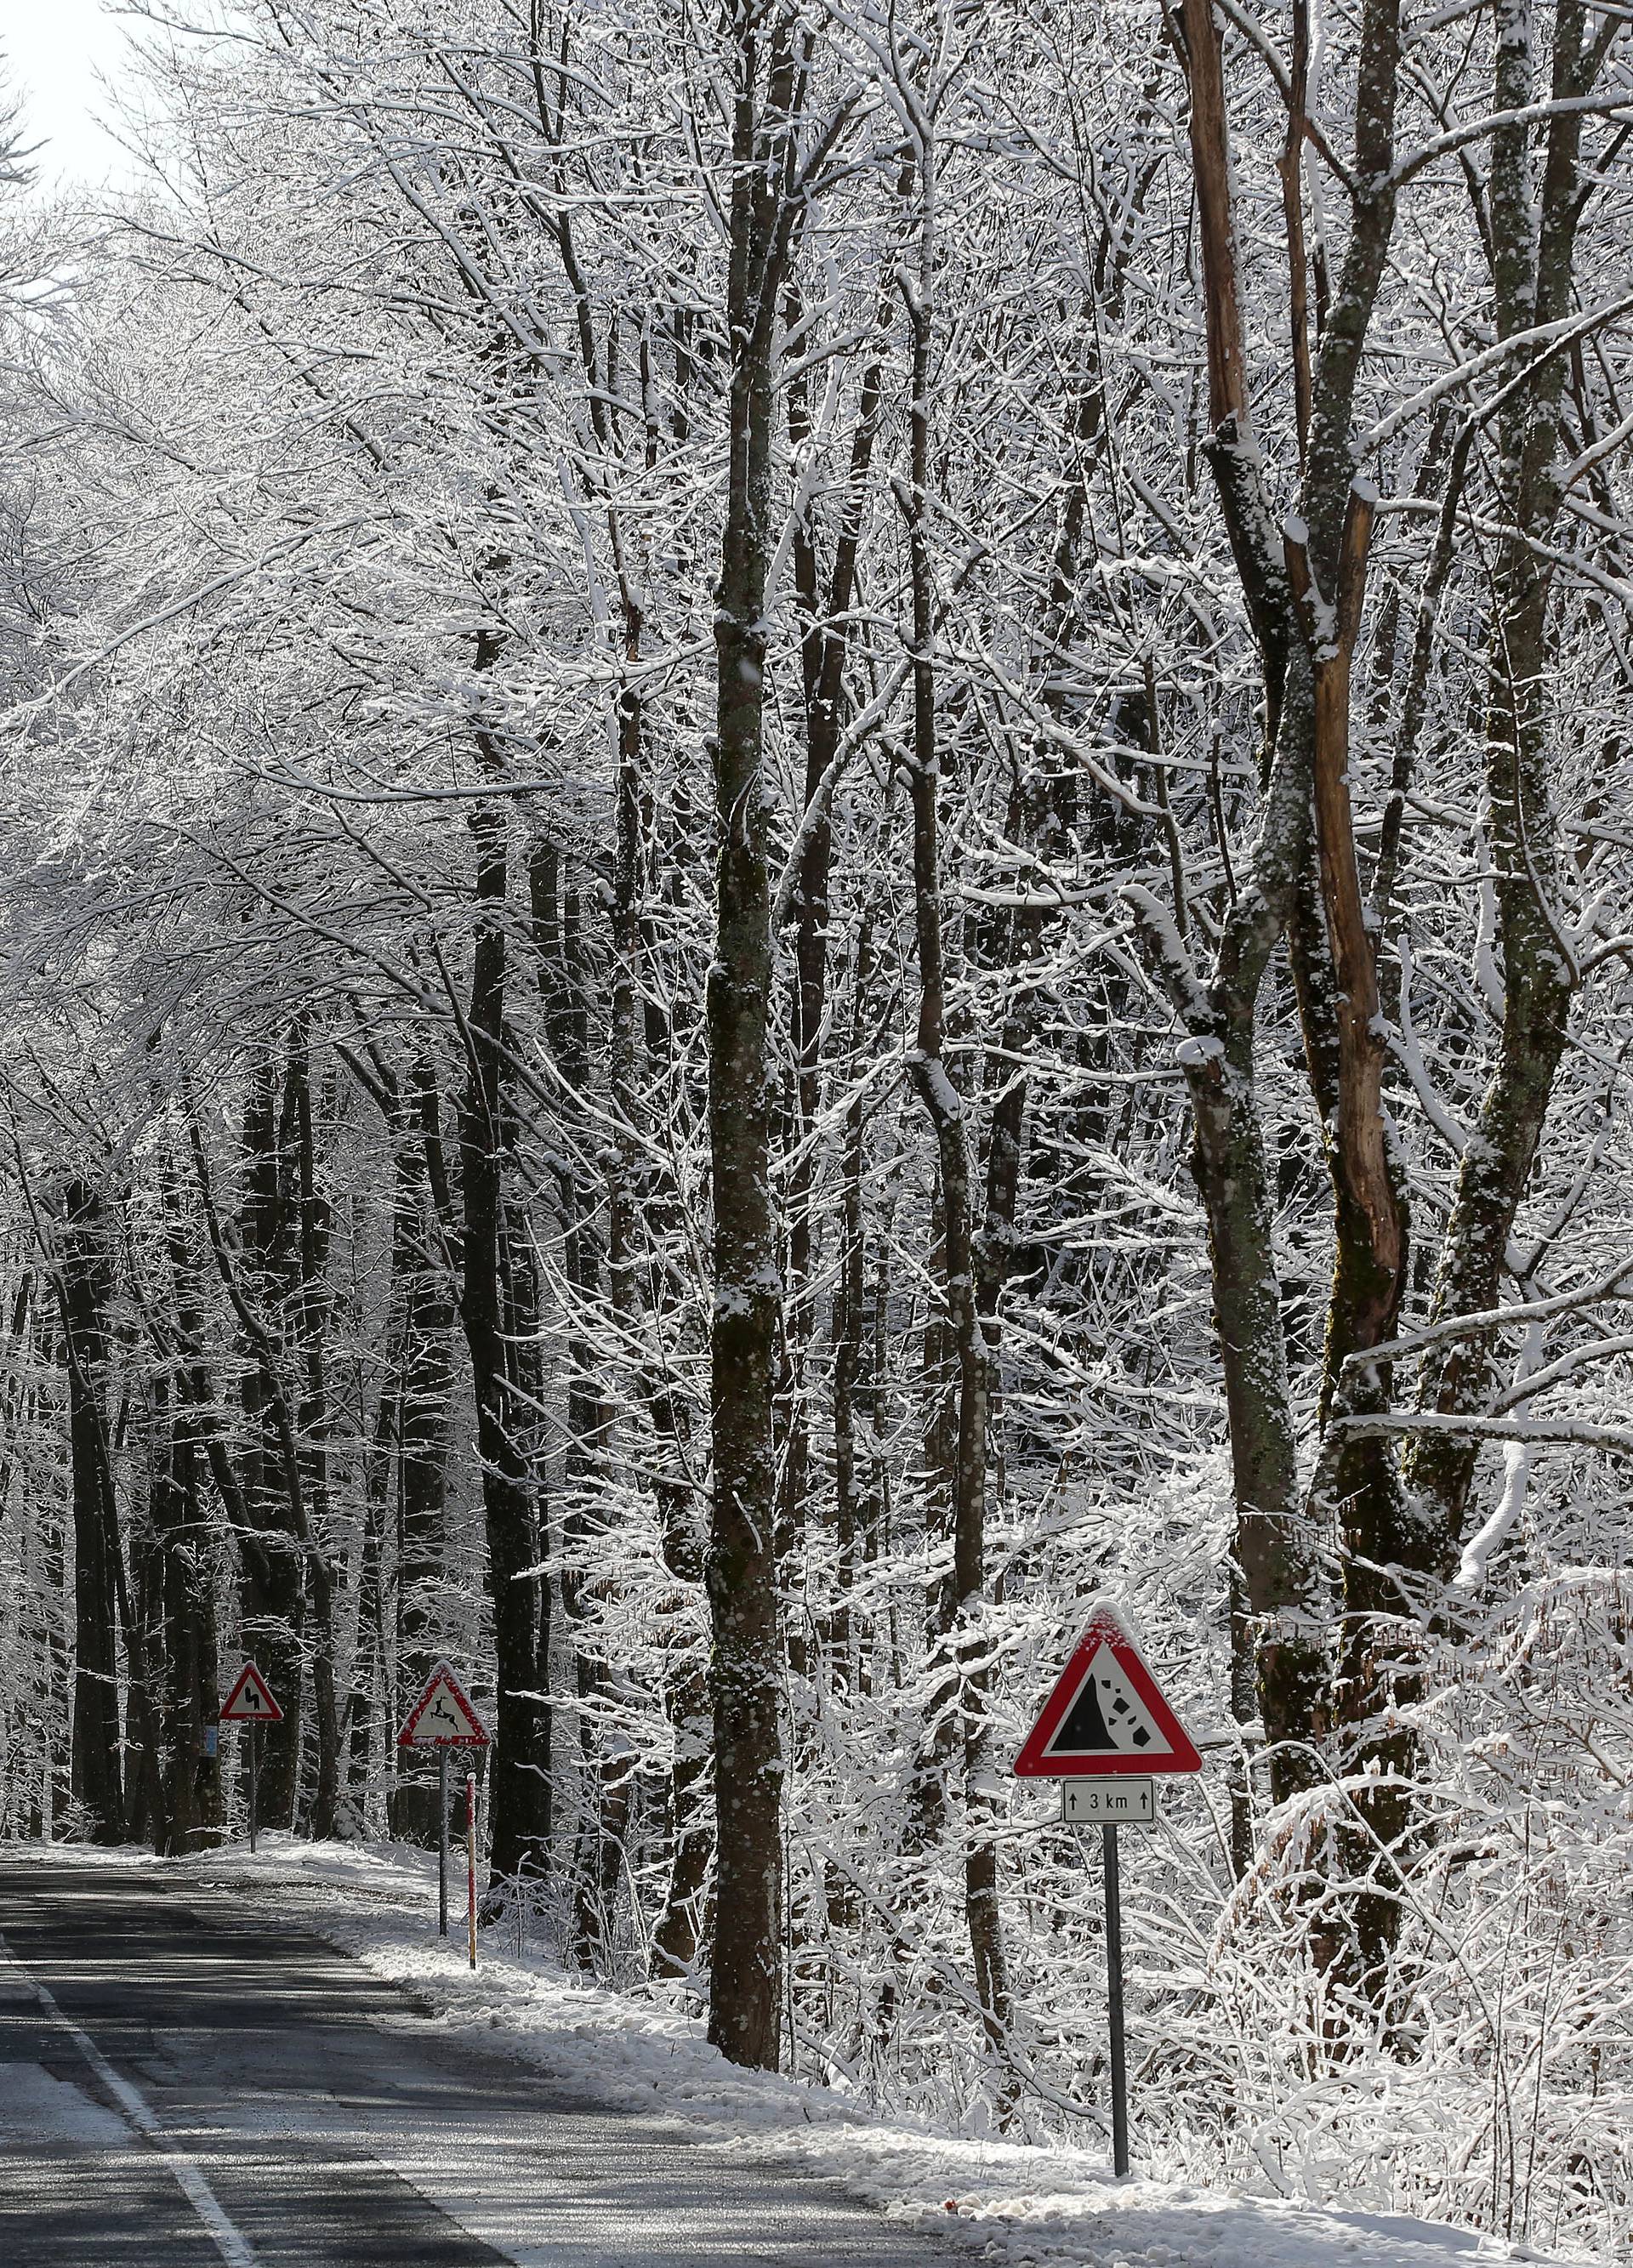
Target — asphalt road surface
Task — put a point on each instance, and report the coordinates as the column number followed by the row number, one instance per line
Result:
column 182, row 2087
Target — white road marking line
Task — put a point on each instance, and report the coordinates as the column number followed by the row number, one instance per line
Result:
column 227, row 2240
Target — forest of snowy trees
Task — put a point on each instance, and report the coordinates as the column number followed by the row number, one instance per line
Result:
column 818, row 824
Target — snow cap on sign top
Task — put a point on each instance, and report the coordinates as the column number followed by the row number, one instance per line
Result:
column 1105, row 1713
column 443, row 1717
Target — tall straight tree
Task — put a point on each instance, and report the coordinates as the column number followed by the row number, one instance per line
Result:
column 746, row 1978
column 84, row 1289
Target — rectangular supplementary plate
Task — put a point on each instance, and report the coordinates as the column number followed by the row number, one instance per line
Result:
column 1121, row 1803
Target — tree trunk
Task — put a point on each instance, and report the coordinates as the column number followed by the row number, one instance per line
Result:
column 746, row 2012
column 294, row 1519
column 86, row 1287
column 311, row 1323
column 518, row 1813
column 274, row 1598
column 1283, row 1611
column 194, row 1768
column 1533, row 246
column 945, row 1108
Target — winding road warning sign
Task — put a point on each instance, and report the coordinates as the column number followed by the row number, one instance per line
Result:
column 1105, row 1714
column 250, row 1702
column 443, row 1717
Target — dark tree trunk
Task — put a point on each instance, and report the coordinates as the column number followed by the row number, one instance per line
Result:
column 557, row 938
column 273, row 1592
column 746, row 1981
column 191, row 1649
column 968, row 1664
column 368, row 1669
column 1285, row 1607
column 413, row 1425
column 293, row 1530
column 519, row 1811
column 86, row 1289
column 1534, row 248
column 311, row 1326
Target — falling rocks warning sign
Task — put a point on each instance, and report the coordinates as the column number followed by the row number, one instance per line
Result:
column 1105, row 1714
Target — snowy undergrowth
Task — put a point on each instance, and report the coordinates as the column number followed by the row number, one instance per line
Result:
column 1017, row 2204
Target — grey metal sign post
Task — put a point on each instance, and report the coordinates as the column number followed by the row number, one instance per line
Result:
column 443, row 1718
column 1103, row 1731
column 1114, row 2001
column 1109, row 1804
column 250, row 1704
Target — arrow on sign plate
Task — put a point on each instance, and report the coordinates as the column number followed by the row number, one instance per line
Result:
column 1105, row 1714
column 250, row 1702
column 443, row 1717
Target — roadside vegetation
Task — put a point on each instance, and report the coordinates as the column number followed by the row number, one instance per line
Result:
column 815, row 830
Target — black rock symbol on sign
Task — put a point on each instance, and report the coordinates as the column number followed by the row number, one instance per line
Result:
column 1086, row 1729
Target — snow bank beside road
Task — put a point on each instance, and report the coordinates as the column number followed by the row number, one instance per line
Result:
column 1016, row 2206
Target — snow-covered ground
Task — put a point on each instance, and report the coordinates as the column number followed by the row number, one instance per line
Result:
column 1018, row 2205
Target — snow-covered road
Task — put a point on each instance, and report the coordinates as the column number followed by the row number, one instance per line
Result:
column 180, row 2086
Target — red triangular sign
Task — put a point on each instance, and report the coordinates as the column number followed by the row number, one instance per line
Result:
column 250, row 1702
column 1105, row 1714
column 443, row 1717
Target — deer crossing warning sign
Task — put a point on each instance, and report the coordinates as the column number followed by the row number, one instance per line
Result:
column 443, row 1717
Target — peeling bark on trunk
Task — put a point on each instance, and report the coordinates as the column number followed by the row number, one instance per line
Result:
column 1283, row 1610
column 1231, row 451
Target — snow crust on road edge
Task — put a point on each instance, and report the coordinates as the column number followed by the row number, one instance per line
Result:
column 1015, row 2203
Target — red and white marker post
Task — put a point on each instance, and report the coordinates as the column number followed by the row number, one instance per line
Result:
column 250, row 1704
column 443, row 1718
column 471, row 1861
column 1104, row 1731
